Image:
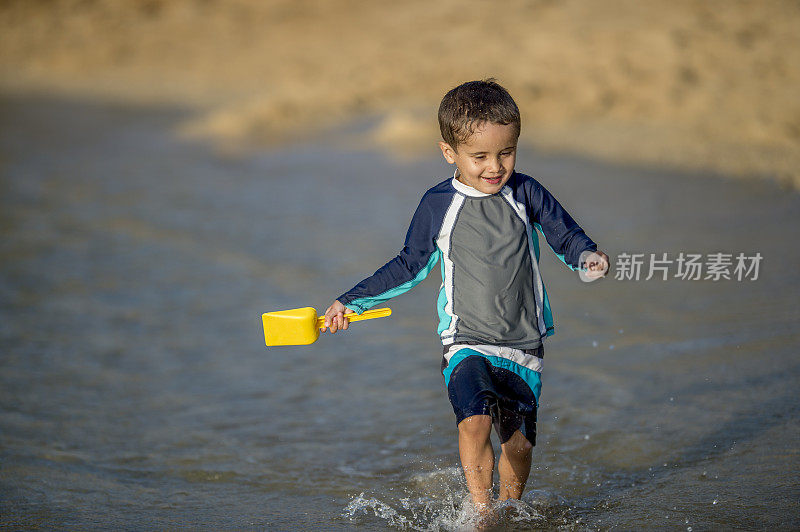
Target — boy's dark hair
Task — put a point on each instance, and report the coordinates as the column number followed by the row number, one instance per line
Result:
column 472, row 103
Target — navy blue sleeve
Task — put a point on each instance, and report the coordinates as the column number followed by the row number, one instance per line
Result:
column 417, row 258
column 563, row 234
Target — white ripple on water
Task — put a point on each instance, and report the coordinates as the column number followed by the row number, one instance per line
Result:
column 439, row 501
column 421, row 513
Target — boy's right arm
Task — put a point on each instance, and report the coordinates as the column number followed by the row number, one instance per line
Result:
column 335, row 317
column 417, row 258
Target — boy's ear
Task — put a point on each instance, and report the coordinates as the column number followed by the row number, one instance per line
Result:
column 448, row 152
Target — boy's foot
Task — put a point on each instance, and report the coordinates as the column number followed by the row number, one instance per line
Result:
column 486, row 516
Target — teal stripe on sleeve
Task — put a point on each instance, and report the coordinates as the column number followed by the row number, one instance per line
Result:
column 365, row 303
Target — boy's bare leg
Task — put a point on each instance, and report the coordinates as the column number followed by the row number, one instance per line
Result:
column 477, row 458
column 514, row 466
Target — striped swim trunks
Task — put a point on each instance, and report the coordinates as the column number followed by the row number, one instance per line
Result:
column 501, row 382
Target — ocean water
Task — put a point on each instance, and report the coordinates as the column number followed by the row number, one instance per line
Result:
column 136, row 392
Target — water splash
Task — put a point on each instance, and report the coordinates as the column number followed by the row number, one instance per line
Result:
column 436, row 500
column 439, row 501
column 420, row 513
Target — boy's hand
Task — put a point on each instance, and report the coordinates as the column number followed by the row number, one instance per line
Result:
column 594, row 265
column 335, row 317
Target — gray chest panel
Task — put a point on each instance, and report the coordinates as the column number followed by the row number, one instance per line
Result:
column 492, row 275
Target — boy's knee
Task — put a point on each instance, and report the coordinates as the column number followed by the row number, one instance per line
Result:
column 476, row 426
column 517, row 445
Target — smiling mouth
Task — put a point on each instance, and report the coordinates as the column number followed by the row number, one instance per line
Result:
column 493, row 180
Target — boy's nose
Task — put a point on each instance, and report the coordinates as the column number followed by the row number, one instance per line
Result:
column 495, row 165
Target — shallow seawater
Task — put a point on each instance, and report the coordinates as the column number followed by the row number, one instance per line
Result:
column 136, row 393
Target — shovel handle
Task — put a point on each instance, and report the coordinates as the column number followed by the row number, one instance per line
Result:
column 367, row 315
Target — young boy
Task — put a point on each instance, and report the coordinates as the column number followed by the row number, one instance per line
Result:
column 493, row 308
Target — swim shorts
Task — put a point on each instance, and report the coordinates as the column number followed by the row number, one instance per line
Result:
column 501, row 382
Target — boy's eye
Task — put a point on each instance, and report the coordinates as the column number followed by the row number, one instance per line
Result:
column 480, row 157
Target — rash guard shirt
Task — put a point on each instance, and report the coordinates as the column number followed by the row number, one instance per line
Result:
column 492, row 292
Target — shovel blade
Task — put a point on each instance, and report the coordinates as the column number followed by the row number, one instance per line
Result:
column 291, row 327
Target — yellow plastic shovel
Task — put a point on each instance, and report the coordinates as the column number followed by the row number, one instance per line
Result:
column 301, row 326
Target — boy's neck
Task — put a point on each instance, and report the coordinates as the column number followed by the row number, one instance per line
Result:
column 467, row 189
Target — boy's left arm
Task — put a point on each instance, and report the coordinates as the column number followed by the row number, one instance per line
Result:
column 593, row 265
column 563, row 234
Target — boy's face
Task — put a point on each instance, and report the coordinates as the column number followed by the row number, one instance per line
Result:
column 486, row 160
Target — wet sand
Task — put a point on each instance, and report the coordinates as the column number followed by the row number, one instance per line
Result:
column 135, row 391
column 677, row 84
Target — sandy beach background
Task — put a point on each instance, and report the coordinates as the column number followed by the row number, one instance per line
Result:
column 679, row 84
